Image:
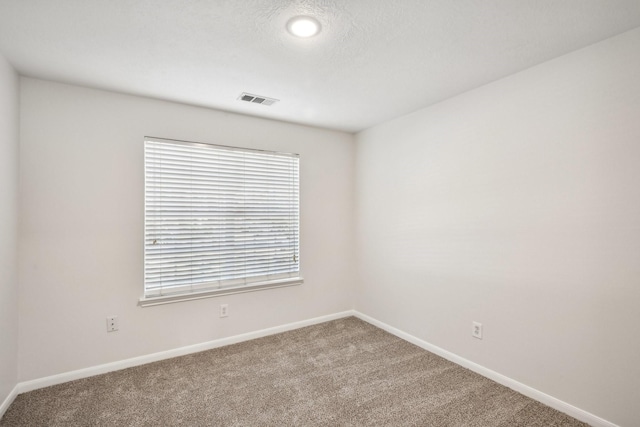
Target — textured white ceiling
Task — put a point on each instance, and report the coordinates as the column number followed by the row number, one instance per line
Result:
column 374, row 59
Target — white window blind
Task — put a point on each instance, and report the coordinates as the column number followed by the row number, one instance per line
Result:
column 218, row 217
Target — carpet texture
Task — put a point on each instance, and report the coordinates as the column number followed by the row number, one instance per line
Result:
column 340, row 373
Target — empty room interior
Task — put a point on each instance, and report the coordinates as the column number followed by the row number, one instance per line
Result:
column 318, row 212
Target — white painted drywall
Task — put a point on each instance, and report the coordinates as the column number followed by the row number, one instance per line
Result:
column 82, row 227
column 516, row 205
column 8, row 229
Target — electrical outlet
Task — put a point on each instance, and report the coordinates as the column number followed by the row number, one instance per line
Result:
column 112, row 323
column 476, row 330
column 224, row 310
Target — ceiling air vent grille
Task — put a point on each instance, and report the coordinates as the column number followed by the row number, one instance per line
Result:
column 257, row 99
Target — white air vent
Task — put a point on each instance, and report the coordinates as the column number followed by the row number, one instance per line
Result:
column 256, row 99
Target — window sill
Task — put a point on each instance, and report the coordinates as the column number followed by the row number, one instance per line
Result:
column 168, row 299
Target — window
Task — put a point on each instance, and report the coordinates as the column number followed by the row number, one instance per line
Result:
column 218, row 220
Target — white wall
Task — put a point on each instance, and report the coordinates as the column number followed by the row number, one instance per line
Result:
column 82, row 227
column 517, row 205
column 8, row 229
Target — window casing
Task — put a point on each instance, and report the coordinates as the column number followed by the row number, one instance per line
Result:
column 218, row 219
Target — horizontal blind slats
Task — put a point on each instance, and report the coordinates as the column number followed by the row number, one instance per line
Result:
column 213, row 271
column 217, row 215
column 247, row 277
column 190, row 265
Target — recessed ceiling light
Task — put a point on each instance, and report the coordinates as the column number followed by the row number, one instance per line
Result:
column 303, row 26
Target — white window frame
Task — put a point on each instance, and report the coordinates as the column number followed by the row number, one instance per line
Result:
column 154, row 293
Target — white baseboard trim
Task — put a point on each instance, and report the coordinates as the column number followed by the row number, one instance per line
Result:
column 8, row 401
column 551, row 401
column 26, row 386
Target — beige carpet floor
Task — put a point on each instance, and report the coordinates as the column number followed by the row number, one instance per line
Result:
column 340, row 373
